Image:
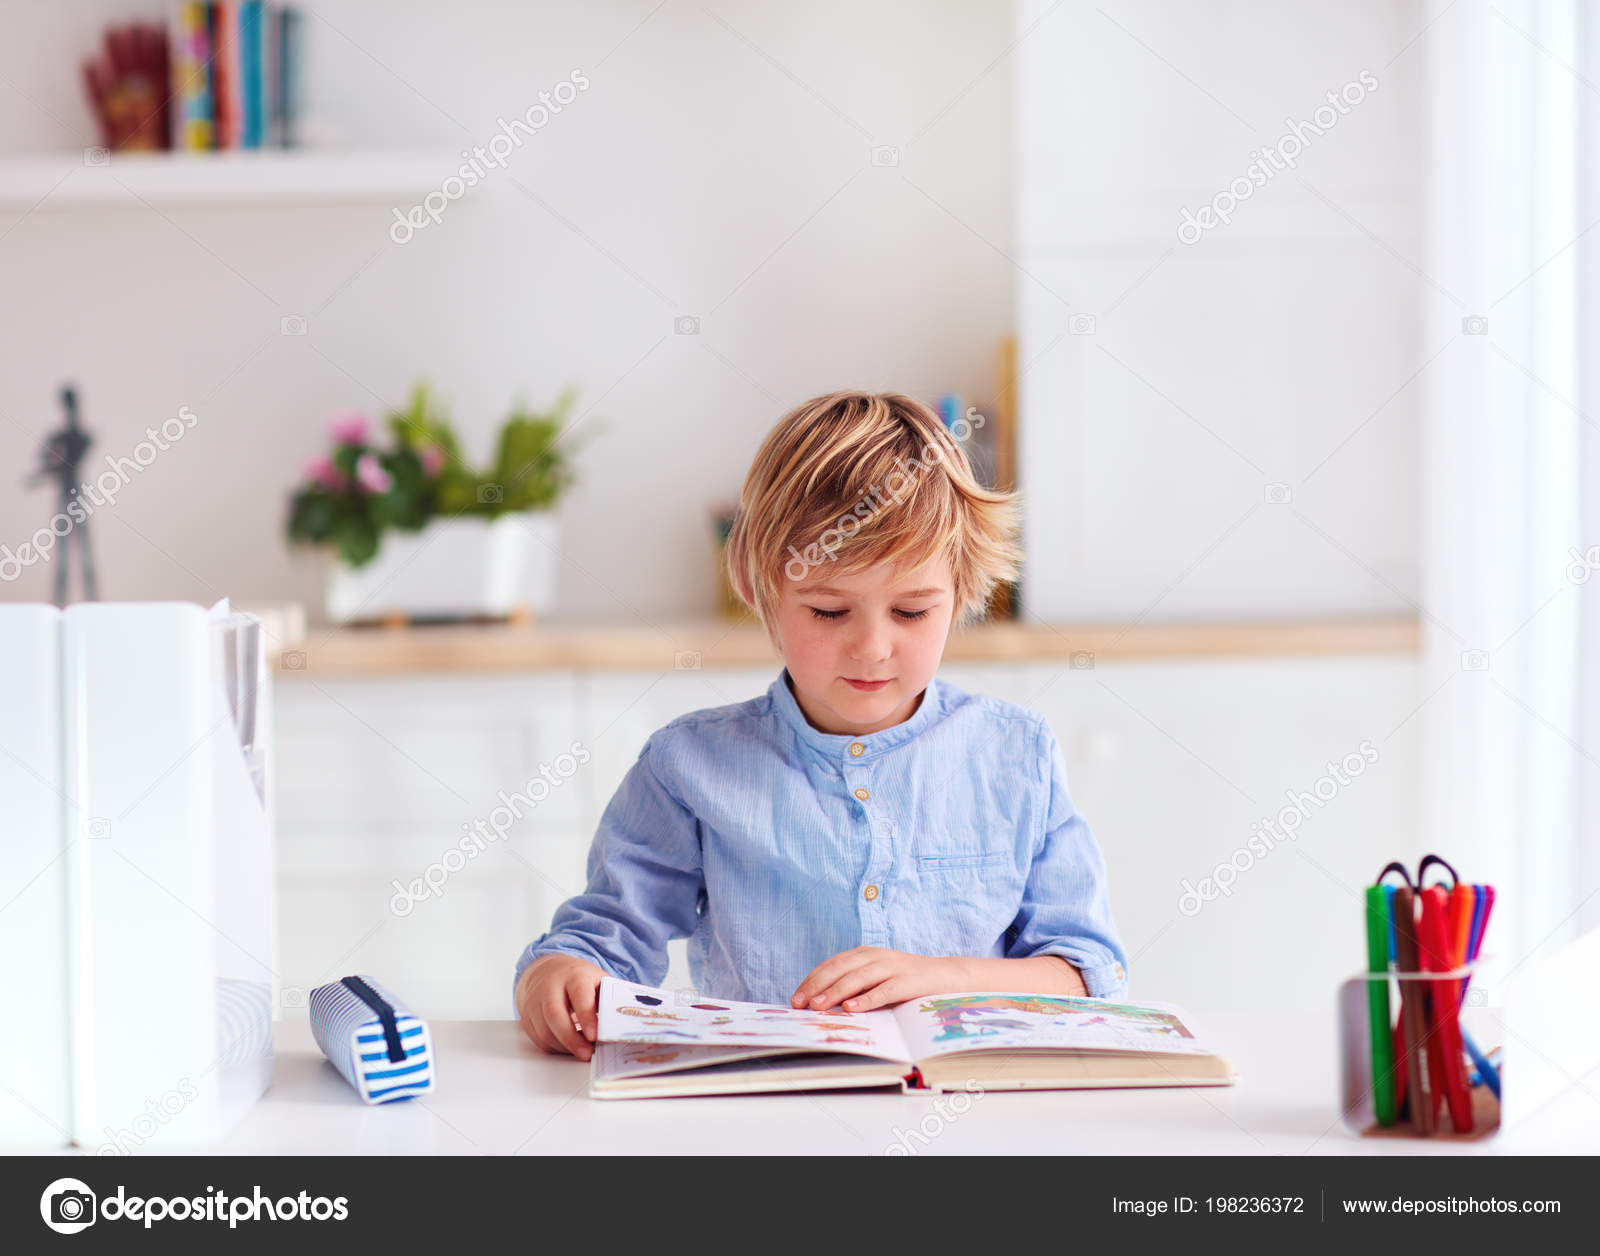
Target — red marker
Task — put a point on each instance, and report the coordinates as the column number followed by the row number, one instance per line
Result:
column 1444, row 1038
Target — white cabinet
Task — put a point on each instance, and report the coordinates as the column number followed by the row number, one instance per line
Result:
column 1175, row 765
column 429, row 826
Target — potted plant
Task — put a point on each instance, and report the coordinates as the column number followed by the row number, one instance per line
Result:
column 419, row 534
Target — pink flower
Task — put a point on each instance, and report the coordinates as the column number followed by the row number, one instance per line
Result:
column 321, row 471
column 432, row 458
column 372, row 477
column 349, row 429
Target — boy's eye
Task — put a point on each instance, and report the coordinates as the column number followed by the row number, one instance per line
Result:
column 822, row 614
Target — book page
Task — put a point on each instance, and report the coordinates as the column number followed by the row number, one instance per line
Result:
column 630, row 1013
column 641, row 1059
column 945, row 1023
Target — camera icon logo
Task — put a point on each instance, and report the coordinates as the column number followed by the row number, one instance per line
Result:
column 97, row 156
column 293, row 660
column 97, row 827
column 686, row 660
column 292, row 325
column 1475, row 325
column 292, row 996
column 1474, row 660
column 490, row 494
column 1082, row 661
column 686, row 325
column 1082, row 325
column 1277, row 495
column 67, row 1206
column 885, row 155
column 1583, row 565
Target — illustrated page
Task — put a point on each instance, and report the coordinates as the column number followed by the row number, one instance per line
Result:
column 943, row 1024
column 630, row 1013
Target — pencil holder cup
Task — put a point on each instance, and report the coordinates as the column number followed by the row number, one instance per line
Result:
column 1399, row 1029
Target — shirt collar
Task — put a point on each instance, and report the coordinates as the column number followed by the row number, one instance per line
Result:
column 837, row 746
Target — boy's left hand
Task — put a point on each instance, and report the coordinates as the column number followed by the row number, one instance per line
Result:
column 871, row 976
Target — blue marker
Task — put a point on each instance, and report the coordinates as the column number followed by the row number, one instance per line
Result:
column 1486, row 1072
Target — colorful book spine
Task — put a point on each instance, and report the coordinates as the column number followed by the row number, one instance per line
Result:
column 191, row 56
column 252, row 84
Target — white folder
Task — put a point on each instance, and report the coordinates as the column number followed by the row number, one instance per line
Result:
column 163, row 947
column 35, row 1100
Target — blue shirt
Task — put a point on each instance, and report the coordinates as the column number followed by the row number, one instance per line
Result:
column 772, row 845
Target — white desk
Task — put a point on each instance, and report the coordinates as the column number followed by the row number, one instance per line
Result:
column 499, row 1095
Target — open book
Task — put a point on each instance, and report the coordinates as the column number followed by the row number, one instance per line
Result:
column 661, row 1042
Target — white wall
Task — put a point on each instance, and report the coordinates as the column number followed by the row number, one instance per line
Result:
column 718, row 166
column 1278, row 349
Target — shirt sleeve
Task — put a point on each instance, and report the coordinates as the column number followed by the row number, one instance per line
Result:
column 644, row 883
column 1066, row 905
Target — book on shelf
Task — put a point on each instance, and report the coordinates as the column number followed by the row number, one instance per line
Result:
column 191, row 77
column 236, row 75
column 653, row 1042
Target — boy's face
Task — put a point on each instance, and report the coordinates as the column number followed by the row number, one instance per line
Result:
column 882, row 624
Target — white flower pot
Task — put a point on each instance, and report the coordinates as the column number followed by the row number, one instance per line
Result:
column 451, row 568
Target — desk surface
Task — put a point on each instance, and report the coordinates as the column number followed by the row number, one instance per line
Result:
column 498, row 1095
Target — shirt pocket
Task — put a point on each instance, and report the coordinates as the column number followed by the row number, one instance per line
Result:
column 952, row 863
column 966, row 901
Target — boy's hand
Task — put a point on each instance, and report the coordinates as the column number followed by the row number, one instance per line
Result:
column 871, row 976
column 556, row 1003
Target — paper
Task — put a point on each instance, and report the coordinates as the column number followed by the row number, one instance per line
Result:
column 642, row 1014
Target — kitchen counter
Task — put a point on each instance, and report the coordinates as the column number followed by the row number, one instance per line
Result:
column 694, row 644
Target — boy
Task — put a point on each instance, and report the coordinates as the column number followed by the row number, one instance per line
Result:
column 860, row 834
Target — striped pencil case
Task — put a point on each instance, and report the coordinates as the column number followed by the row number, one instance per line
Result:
column 366, row 1033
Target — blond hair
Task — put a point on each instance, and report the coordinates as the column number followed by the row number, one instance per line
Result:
column 854, row 479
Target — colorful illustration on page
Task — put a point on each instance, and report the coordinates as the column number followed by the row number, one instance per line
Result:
column 1047, row 1021
column 628, row 1017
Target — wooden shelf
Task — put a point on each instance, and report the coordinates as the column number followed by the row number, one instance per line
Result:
column 709, row 643
column 263, row 177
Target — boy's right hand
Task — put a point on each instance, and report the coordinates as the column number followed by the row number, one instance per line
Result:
column 556, row 1003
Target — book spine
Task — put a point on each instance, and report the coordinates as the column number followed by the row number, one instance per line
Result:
column 290, row 50
column 191, row 53
column 271, row 128
column 250, row 72
column 236, row 85
column 224, row 66
column 215, row 105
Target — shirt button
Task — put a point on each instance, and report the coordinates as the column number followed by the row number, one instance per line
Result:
column 870, row 893
column 856, row 748
column 862, row 794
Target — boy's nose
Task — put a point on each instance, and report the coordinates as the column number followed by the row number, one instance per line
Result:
column 870, row 647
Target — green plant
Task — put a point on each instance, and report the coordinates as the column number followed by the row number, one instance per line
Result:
column 530, row 471
column 353, row 494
